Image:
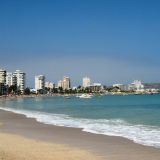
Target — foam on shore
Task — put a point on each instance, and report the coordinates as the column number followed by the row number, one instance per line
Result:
column 145, row 135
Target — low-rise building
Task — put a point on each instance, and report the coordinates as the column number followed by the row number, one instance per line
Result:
column 136, row 86
column 49, row 85
column 96, row 87
column 60, row 84
column 122, row 87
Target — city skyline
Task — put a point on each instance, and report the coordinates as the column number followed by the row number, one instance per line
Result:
column 16, row 83
column 110, row 42
column 81, row 80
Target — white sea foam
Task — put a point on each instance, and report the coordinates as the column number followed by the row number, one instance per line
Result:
column 146, row 135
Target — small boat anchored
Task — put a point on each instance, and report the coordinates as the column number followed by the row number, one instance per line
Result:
column 67, row 96
column 85, row 96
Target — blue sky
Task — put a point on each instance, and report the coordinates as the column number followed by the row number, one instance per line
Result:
column 108, row 40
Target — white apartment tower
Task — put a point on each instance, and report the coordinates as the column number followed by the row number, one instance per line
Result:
column 2, row 76
column 11, row 79
column 39, row 82
column 86, row 82
column 21, row 80
column 66, row 83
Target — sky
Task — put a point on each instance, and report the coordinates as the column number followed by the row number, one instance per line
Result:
column 110, row 41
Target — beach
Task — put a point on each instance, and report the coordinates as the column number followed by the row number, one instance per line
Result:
column 19, row 146
column 25, row 138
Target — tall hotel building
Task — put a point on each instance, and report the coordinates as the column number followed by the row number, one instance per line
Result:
column 2, row 81
column 2, row 76
column 21, row 80
column 86, row 82
column 11, row 79
column 66, row 83
column 39, row 82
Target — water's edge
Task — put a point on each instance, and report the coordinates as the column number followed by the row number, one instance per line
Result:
column 141, row 134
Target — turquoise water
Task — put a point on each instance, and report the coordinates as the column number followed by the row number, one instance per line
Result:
column 136, row 117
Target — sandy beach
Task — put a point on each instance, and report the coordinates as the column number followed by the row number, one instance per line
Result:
column 13, row 147
column 25, row 138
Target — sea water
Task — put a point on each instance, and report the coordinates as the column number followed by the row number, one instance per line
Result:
column 136, row 117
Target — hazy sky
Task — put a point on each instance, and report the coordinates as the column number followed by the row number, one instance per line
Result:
column 110, row 41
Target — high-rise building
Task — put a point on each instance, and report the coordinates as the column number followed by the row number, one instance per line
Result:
column 2, row 76
column 21, row 80
column 86, row 82
column 11, row 79
column 39, row 82
column 2, row 89
column 66, row 83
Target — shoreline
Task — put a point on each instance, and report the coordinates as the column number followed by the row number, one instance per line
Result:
column 9, row 97
column 116, row 148
column 37, row 117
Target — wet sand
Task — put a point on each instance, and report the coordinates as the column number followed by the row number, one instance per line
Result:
column 108, row 147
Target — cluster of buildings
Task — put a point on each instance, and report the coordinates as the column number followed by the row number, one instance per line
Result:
column 138, row 87
column 65, row 84
column 41, row 84
column 7, row 79
column 18, row 80
column 134, row 86
column 95, row 87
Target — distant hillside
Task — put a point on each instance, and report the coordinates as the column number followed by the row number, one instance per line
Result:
column 152, row 85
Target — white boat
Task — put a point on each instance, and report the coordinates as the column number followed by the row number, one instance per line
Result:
column 67, row 97
column 85, row 96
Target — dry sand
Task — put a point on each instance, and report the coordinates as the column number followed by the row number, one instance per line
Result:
column 13, row 147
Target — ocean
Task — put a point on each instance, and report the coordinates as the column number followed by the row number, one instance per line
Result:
column 136, row 117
